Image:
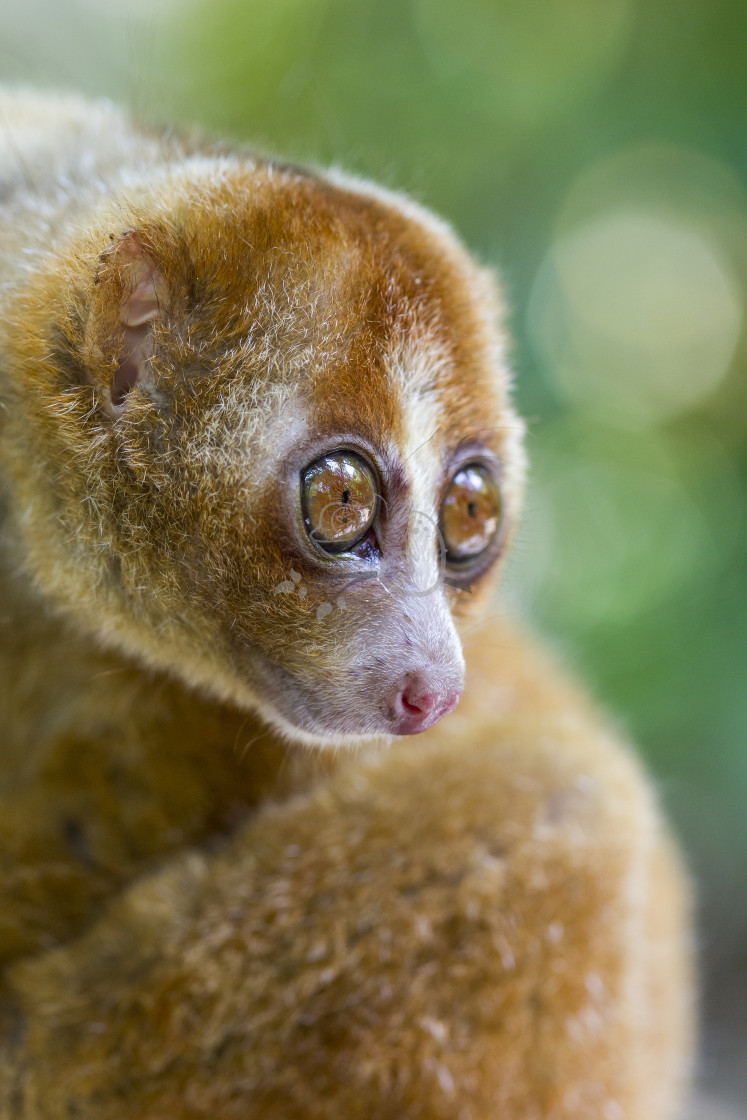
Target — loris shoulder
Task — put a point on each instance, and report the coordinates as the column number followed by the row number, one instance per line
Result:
column 259, row 469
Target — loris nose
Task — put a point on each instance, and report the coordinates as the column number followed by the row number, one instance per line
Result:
column 420, row 703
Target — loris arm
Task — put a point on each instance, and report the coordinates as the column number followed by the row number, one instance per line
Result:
column 480, row 924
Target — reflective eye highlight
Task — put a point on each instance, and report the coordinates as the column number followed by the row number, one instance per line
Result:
column 471, row 513
column 338, row 499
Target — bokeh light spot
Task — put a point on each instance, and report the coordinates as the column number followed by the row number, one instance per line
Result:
column 636, row 313
column 615, row 529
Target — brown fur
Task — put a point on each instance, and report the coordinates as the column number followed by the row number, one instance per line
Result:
column 198, row 920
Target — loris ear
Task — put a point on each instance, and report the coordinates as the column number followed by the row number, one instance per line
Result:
column 129, row 274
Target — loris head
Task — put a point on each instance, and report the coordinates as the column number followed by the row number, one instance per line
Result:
column 263, row 440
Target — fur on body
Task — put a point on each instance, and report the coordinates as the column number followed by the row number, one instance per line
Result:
column 203, row 911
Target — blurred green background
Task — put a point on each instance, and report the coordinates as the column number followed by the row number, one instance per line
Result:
column 594, row 151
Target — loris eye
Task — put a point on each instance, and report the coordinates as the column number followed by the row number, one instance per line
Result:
column 338, row 498
column 470, row 513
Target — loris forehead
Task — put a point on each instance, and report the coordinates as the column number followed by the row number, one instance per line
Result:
column 366, row 306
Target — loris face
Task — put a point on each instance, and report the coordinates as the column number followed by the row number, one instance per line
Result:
column 275, row 451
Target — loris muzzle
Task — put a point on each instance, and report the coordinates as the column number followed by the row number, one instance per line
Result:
column 273, row 446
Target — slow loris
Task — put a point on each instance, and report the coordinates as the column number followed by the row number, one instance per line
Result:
column 259, row 466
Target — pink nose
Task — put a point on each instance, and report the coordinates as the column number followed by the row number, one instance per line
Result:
column 418, row 706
